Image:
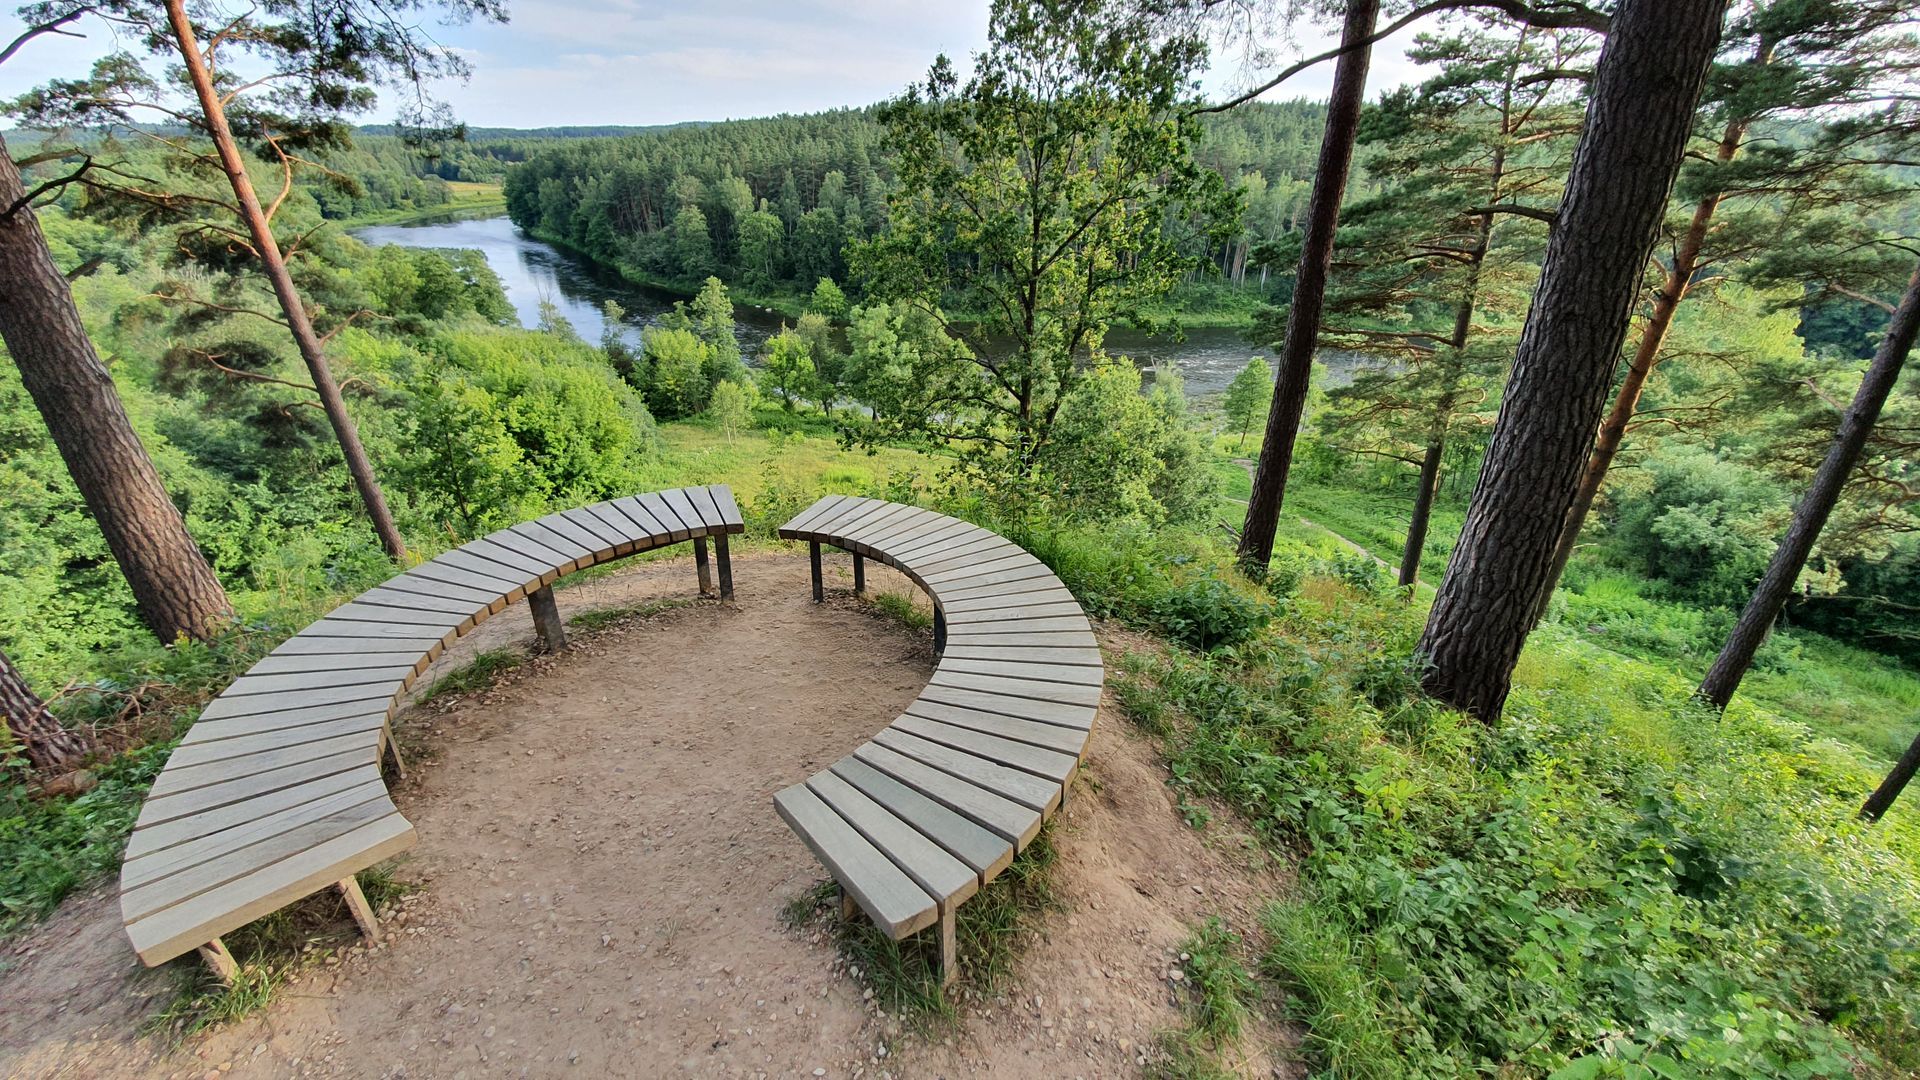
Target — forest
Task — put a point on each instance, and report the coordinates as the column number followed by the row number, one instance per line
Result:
column 1561, row 643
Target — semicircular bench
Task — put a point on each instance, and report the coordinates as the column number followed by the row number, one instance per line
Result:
column 276, row 791
column 920, row 817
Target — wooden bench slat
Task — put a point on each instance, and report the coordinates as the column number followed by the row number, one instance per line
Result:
column 154, row 837
column 279, row 663
column 577, row 553
column 708, row 506
column 1017, row 654
column 897, row 518
column 240, row 746
column 401, row 600
column 666, row 522
column 149, row 867
column 1050, row 595
column 996, row 582
column 804, row 519
column 1064, row 609
column 304, row 644
column 1011, row 820
column 943, row 529
column 889, row 897
column 1050, row 766
column 1033, row 640
column 476, row 599
column 1054, row 737
column 729, row 509
column 966, row 574
column 185, row 777
column 250, row 684
column 1047, row 712
column 964, row 552
column 1021, row 787
column 897, row 532
column 683, row 508
column 578, row 535
column 473, row 571
column 420, row 618
column 623, row 522
column 940, row 875
column 870, row 514
column 532, row 551
column 296, row 836
column 161, row 809
column 983, row 852
column 615, row 540
column 1037, row 689
column 185, row 926
column 512, row 561
column 363, row 629
column 370, row 697
column 210, row 730
column 1076, row 674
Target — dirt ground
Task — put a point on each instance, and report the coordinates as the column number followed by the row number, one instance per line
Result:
column 601, row 876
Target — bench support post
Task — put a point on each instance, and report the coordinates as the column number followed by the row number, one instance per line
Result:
column 819, row 586
column 939, row 630
column 700, row 566
column 725, row 560
column 220, row 961
column 859, row 574
column 949, row 946
column 546, row 619
column 362, row 911
column 393, row 751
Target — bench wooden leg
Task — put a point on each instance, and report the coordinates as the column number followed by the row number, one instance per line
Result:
column 220, row 961
column 819, row 586
column 859, row 574
column 726, row 566
column 949, row 946
column 939, row 630
column 848, row 906
column 546, row 619
column 362, row 911
column 700, row 566
column 393, row 751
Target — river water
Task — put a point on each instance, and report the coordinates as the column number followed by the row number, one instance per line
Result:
column 534, row 271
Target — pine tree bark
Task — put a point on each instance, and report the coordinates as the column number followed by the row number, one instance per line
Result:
column 46, row 744
column 1810, row 516
column 1881, row 800
column 174, row 590
column 275, row 266
column 1309, row 288
column 1646, row 356
column 1639, row 115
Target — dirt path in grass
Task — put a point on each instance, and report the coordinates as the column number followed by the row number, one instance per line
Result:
column 601, row 877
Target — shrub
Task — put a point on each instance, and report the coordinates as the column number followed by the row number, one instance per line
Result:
column 1208, row 613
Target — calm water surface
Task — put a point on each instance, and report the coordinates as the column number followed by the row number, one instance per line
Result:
column 534, row 271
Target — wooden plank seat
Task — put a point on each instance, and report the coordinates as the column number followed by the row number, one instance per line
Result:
column 926, row 812
column 276, row 791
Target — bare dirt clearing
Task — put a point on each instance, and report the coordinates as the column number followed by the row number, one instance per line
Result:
column 601, row 877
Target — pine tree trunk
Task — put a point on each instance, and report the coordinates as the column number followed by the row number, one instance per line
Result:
column 1776, row 585
column 1881, row 800
column 47, row 745
column 1422, row 513
column 276, row 270
column 1639, row 115
column 174, row 589
column 1646, row 356
column 1309, row 289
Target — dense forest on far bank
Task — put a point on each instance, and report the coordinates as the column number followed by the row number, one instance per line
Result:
column 770, row 205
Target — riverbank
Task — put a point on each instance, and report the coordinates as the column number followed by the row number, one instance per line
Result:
column 787, row 305
column 469, row 202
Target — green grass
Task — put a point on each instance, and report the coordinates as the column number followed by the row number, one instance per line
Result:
column 1310, row 955
column 478, row 674
column 902, row 609
column 469, row 200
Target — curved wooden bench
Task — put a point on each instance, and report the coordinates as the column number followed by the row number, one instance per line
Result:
column 918, row 818
column 276, row 791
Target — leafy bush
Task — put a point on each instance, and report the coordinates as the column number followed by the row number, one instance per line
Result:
column 1613, row 880
column 1207, row 613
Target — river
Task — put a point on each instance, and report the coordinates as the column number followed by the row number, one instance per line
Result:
column 534, row 271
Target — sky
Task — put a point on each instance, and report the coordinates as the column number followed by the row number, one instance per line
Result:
column 592, row 62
